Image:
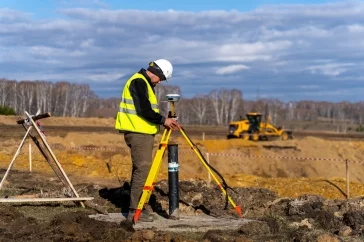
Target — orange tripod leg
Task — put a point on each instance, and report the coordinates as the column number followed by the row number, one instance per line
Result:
column 153, row 172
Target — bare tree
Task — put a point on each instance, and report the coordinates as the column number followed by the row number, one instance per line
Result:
column 44, row 96
column 3, row 93
column 86, row 99
column 215, row 100
column 198, row 105
column 12, row 100
column 236, row 100
column 26, row 89
column 225, row 97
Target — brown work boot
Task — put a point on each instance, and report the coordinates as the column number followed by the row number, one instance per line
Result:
column 127, row 224
column 145, row 216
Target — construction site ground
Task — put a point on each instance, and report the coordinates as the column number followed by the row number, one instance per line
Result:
column 287, row 189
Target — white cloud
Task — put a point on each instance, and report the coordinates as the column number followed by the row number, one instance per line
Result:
column 13, row 16
column 49, row 52
column 330, row 69
column 356, row 28
column 309, row 87
column 231, row 69
column 253, row 48
column 87, row 43
column 105, row 77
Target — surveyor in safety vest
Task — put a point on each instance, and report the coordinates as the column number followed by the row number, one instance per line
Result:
column 139, row 120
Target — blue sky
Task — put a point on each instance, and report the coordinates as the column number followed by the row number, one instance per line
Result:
column 289, row 50
column 48, row 8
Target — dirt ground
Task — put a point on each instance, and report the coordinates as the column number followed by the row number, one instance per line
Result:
column 294, row 190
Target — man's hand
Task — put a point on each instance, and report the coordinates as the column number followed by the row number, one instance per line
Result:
column 172, row 124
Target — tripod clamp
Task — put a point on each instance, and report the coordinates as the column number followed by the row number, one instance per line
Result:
column 34, row 117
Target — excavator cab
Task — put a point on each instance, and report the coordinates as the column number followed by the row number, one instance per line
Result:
column 254, row 122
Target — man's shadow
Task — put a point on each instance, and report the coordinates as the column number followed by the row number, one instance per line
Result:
column 120, row 197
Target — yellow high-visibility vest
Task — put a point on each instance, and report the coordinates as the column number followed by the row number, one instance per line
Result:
column 127, row 118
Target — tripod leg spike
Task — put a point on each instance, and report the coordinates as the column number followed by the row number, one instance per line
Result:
column 238, row 209
column 137, row 215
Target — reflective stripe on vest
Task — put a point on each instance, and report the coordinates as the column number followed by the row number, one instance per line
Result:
column 127, row 118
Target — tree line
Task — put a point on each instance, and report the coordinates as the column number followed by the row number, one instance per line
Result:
column 218, row 107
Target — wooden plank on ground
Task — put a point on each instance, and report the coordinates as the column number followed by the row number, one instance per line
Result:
column 45, row 199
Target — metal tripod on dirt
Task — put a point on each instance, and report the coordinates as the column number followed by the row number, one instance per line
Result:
column 157, row 161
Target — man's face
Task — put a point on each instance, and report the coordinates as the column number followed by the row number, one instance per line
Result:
column 155, row 80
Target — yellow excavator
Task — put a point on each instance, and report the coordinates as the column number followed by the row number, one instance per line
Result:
column 255, row 128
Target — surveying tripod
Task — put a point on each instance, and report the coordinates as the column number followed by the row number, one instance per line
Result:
column 29, row 123
column 157, row 161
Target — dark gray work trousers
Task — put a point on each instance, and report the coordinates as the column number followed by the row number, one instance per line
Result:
column 141, row 148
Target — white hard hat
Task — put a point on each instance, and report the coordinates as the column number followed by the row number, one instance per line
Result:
column 162, row 68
